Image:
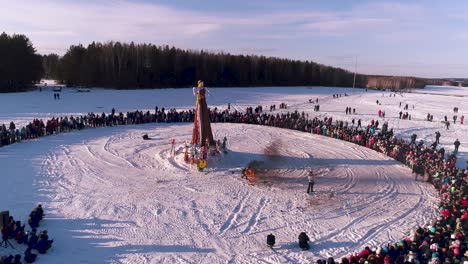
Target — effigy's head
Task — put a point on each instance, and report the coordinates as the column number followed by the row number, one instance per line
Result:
column 200, row 83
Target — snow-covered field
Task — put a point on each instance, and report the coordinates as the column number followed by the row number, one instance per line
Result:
column 112, row 197
column 444, row 90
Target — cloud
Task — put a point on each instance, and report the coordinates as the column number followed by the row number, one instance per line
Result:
column 124, row 20
column 341, row 57
column 257, row 50
column 376, row 19
column 342, row 26
column 142, row 21
column 281, row 29
column 108, row 20
column 51, row 33
column 53, row 23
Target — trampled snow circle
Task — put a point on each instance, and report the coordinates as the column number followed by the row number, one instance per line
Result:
column 136, row 203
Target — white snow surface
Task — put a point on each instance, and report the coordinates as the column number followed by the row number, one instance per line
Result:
column 444, row 90
column 111, row 197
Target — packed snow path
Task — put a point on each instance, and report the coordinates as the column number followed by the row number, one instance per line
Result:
column 121, row 198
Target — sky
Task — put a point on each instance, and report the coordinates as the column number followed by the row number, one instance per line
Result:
column 415, row 38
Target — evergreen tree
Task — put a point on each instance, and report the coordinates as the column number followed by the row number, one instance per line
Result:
column 50, row 66
column 127, row 66
column 20, row 66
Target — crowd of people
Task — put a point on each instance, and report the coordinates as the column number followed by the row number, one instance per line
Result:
column 14, row 230
column 442, row 242
column 338, row 95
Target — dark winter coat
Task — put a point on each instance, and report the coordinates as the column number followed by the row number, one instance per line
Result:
column 9, row 259
column 42, row 246
column 32, row 240
column 29, row 257
column 4, row 232
column 303, row 241
column 17, row 259
column 271, row 240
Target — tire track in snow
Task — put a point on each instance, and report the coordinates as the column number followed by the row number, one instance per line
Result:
column 254, row 219
column 233, row 230
column 234, row 215
column 107, row 148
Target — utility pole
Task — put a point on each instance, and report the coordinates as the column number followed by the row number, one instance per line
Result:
column 355, row 69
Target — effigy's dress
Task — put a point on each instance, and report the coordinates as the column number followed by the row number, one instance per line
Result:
column 202, row 125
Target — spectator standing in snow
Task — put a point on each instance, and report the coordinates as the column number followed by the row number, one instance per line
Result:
column 173, row 147
column 304, row 241
column 271, row 240
column 456, row 144
column 310, row 188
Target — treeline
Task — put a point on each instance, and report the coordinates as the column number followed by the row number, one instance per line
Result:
column 132, row 66
column 50, row 65
column 402, row 82
column 127, row 66
column 20, row 66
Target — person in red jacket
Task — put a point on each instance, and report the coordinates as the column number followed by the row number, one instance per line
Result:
column 365, row 253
